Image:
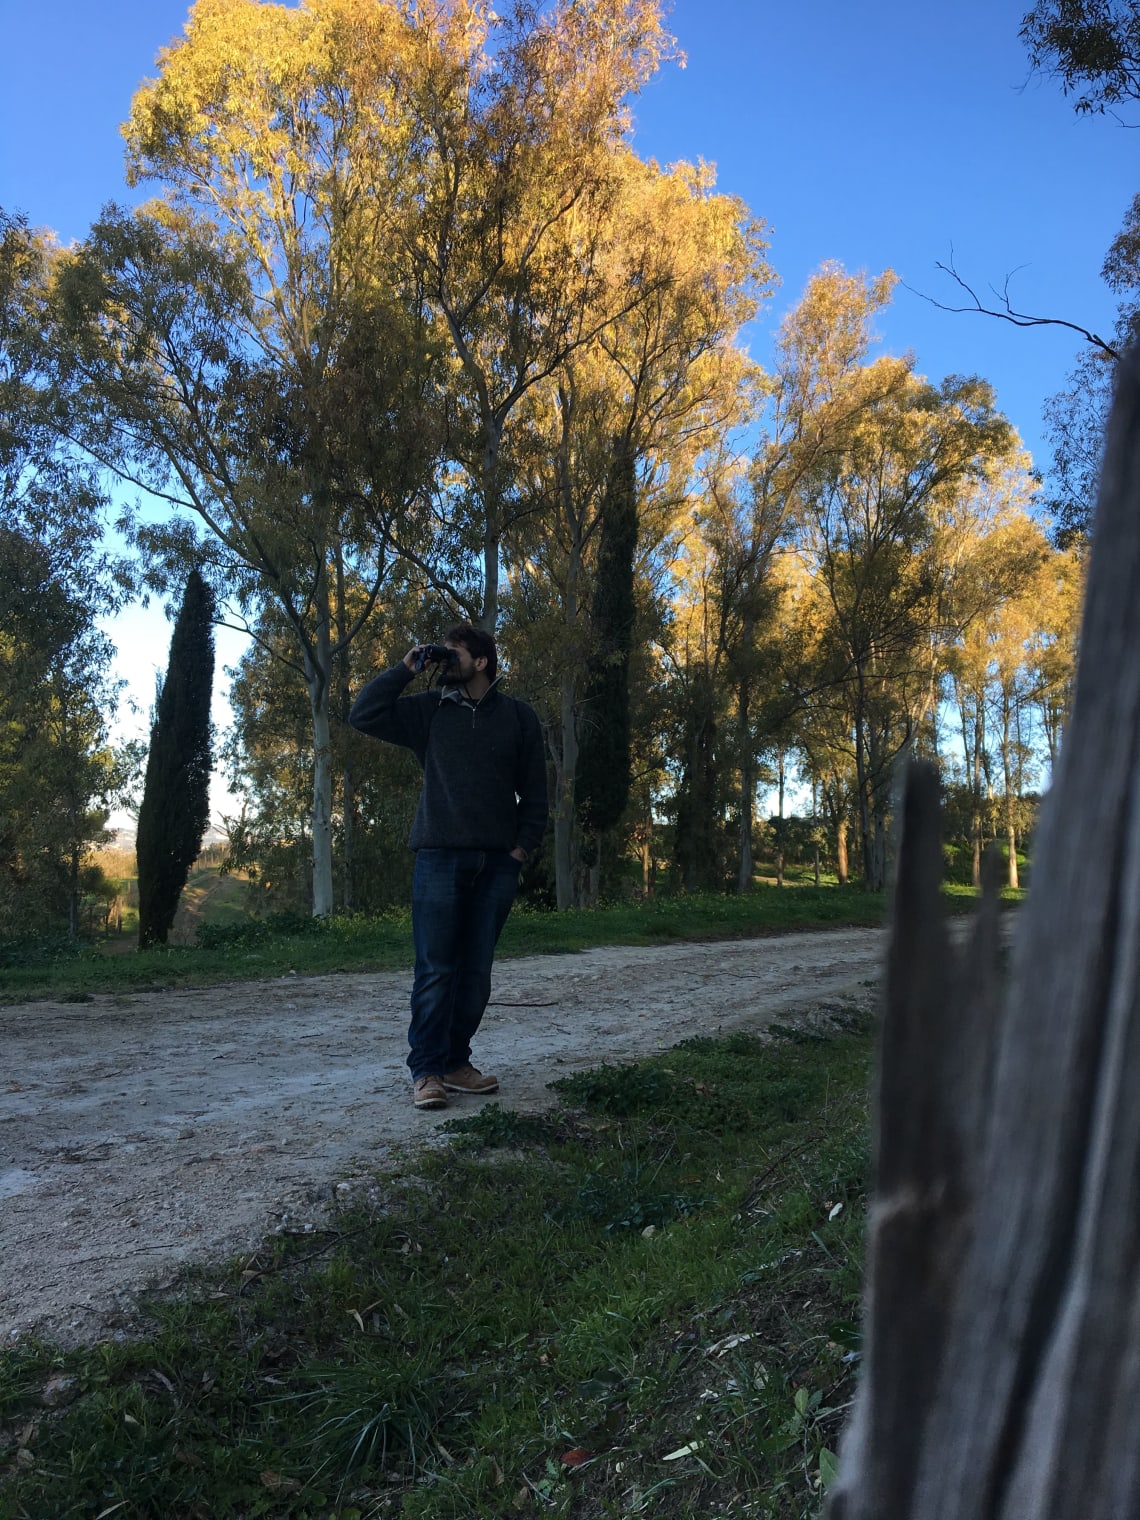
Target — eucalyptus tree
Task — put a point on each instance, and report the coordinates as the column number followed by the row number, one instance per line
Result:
column 1091, row 46
column 47, row 488
column 356, row 195
column 747, row 515
column 1057, row 595
column 252, row 350
column 1076, row 417
column 658, row 388
column 1092, row 49
column 603, row 776
column 726, row 588
column 988, row 665
column 267, row 753
column 58, row 773
column 896, row 493
column 909, row 457
column 521, row 119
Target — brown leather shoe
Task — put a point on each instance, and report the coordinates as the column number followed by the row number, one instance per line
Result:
column 429, row 1092
column 467, row 1079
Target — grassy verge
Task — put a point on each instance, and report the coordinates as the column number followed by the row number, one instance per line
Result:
column 273, row 947
column 642, row 1303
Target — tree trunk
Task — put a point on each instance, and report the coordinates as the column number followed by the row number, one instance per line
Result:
column 322, row 804
column 696, row 840
column 842, row 869
column 73, row 892
column 566, row 763
column 879, row 834
column 492, row 529
column 747, row 807
column 1007, row 767
column 348, row 847
column 489, row 617
column 880, row 770
column 747, row 770
column 780, row 818
column 1051, row 726
column 863, row 784
column 976, row 794
column 564, row 798
column 318, row 678
column 347, row 781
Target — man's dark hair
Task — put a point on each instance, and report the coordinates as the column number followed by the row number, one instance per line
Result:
column 478, row 644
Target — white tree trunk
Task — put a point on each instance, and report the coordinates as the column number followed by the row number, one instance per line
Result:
column 747, row 772
column 492, row 528
column 318, row 678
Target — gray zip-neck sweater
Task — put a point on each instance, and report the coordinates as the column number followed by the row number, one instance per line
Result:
column 484, row 765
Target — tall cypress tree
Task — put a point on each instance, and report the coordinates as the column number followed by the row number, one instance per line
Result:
column 696, row 835
column 176, row 797
column 601, row 782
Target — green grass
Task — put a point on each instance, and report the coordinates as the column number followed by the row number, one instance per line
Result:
column 210, row 897
column 642, row 1302
column 272, row 947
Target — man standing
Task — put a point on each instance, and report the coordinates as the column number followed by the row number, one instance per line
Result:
column 482, row 812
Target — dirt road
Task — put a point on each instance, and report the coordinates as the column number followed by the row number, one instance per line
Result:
column 142, row 1131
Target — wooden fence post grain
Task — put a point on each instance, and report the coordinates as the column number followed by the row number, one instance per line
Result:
column 1002, row 1338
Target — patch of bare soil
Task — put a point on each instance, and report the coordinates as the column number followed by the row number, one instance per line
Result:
column 209, row 897
column 144, row 1131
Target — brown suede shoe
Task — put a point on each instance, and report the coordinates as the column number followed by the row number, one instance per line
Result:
column 429, row 1093
column 466, row 1079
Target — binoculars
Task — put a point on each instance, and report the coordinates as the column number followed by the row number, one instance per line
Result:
column 434, row 654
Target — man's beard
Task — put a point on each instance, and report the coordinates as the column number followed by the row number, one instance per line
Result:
column 450, row 676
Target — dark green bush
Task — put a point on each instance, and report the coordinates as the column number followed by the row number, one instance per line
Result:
column 37, row 952
column 257, row 931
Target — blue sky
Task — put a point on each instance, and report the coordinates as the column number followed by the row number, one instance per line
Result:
column 885, row 134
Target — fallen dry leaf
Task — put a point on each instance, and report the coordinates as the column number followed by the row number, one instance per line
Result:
column 276, row 1484
column 682, row 1451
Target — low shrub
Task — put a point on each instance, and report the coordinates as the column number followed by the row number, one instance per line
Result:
column 48, row 951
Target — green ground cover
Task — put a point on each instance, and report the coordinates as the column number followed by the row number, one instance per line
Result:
column 251, row 948
column 643, row 1302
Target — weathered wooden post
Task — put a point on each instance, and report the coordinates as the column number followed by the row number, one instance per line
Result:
column 1002, row 1336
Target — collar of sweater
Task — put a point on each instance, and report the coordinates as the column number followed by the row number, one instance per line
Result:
column 454, row 694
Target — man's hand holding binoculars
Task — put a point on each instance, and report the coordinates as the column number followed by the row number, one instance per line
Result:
column 423, row 655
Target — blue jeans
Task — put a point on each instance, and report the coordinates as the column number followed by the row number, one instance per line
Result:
column 460, row 902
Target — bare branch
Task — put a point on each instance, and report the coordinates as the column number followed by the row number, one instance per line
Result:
column 270, row 648
column 1006, row 313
